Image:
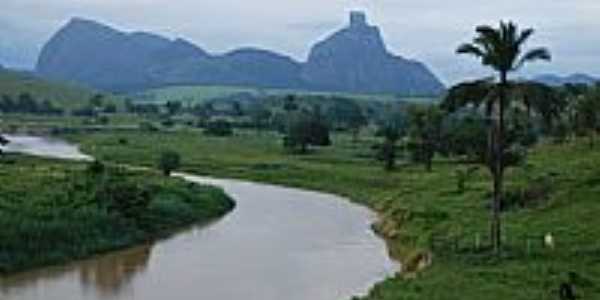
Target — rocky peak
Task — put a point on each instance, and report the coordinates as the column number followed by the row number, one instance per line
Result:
column 356, row 59
column 358, row 19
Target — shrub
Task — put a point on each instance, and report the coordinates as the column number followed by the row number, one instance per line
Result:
column 148, row 127
column 219, row 128
column 129, row 200
column 168, row 122
column 169, row 161
column 96, row 168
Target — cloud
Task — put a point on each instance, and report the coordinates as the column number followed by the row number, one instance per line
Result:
column 428, row 30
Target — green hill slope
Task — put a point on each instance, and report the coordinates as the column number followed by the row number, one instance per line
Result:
column 64, row 95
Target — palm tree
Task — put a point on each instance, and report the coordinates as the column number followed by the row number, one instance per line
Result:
column 502, row 50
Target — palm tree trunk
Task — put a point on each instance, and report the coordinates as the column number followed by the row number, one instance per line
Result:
column 498, row 167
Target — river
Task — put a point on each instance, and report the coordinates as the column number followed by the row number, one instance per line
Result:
column 279, row 243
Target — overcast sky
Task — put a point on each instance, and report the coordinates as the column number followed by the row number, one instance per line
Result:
column 427, row 30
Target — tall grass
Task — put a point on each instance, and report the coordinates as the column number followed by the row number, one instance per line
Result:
column 52, row 212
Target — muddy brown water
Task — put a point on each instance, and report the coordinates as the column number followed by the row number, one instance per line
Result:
column 278, row 243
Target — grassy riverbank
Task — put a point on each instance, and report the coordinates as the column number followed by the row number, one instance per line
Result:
column 56, row 211
column 416, row 205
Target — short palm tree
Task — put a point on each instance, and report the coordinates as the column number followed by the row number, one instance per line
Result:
column 540, row 99
column 501, row 49
column 473, row 93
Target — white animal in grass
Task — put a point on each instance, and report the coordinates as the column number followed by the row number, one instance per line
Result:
column 549, row 240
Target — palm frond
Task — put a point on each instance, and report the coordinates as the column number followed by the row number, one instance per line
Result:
column 472, row 93
column 470, row 49
column 534, row 55
column 501, row 48
column 524, row 36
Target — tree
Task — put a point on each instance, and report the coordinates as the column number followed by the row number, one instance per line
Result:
column 298, row 135
column 218, row 127
column 306, row 128
column 110, row 108
column 129, row 106
column 48, row 108
column 473, row 93
column 387, row 153
column 260, row 115
column 391, row 128
column 501, row 49
column 539, row 99
column 27, row 104
column 97, row 100
column 347, row 113
column 587, row 118
column 173, row 107
column 573, row 93
column 86, row 111
column 466, row 134
column 425, row 132
column 169, row 161
column 7, row 105
column 318, row 127
column 236, row 109
column 289, row 103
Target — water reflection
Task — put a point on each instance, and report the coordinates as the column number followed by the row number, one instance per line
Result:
column 112, row 274
column 106, row 276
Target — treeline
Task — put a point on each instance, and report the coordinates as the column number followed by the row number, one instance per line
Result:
column 461, row 126
column 25, row 103
column 303, row 120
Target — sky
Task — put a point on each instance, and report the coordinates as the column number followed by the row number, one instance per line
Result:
column 425, row 30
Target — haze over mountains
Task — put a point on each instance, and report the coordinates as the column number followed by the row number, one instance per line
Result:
column 354, row 59
column 555, row 80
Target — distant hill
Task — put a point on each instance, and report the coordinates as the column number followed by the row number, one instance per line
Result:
column 555, row 80
column 13, row 83
column 353, row 60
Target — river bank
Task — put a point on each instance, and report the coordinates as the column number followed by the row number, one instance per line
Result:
column 56, row 211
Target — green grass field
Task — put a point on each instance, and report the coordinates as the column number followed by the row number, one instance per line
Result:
column 415, row 206
column 55, row 211
column 198, row 94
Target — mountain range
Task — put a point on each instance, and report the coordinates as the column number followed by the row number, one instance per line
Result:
column 354, row 59
column 555, row 80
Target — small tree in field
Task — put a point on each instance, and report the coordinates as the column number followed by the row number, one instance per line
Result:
column 169, row 161
column 425, row 132
column 587, row 115
column 387, row 152
column 306, row 128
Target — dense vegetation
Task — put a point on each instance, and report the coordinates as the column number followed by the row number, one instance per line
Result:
column 53, row 212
